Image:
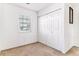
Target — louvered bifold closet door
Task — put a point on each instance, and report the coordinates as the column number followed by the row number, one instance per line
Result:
column 51, row 29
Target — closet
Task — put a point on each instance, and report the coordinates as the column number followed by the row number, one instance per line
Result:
column 51, row 29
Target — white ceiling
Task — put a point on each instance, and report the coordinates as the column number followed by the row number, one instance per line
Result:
column 34, row 6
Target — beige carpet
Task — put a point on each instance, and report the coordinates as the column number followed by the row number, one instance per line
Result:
column 36, row 49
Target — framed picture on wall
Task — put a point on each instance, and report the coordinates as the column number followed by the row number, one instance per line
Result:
column 70, row 15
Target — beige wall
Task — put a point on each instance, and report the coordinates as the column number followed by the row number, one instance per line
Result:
column 76, row 24
column 68, row 28
column 71, row 30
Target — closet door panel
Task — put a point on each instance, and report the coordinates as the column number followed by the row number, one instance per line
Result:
column 44, row 29
column 58, row 29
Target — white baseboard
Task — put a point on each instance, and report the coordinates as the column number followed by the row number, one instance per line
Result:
column 17, row 46
column 65, row 51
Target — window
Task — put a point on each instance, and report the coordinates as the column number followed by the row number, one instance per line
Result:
column 24, row 23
